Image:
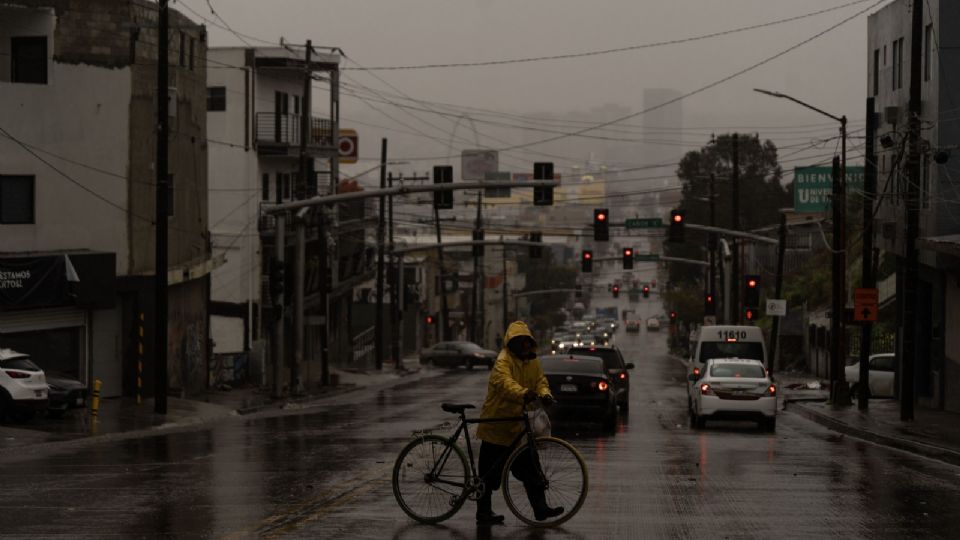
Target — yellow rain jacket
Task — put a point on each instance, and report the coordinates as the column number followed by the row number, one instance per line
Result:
column 510, row 378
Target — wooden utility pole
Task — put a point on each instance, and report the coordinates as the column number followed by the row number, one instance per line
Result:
column 160, row 278
column 378, row 327
column 735, row 277
column 868, row 277
column 908, row 349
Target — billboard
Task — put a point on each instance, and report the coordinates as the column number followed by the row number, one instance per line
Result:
column 475, row 164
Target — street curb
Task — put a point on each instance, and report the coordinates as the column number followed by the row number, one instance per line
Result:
column 914, row 447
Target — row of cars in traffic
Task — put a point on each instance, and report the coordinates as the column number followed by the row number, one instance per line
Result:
column 26, row 390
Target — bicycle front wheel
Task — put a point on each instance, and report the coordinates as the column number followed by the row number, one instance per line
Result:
column 564, row 480
column 430, row 479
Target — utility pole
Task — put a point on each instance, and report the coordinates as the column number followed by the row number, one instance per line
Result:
column 378, row 325
column 778, row 291
column 712, row 244
column 839, row 395
column 504, row 288
column 394, row 288
column 300, row 192
column 477, row 318
column 279, row 335
column 160, row 278
column 908, row 349
column 325, row 275
column 445, row 314
column 868, row 277
column 735, row 274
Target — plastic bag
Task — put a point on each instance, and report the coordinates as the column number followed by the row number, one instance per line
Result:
column 540, row 422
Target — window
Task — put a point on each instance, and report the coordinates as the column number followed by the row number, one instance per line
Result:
column 16, row 199
column 296, row 104
column 183, row 49
column 876, row 71
column 216, row 98
column 28, row 62
column 897, row 72
column 286, row 186
column 265, row 188
column 192, row 48
column 170, row 195
column 927, row 51
column 279, row 188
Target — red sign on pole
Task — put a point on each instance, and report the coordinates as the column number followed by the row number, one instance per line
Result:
column 865, row 305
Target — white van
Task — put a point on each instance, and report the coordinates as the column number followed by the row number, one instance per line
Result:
column 725, row 341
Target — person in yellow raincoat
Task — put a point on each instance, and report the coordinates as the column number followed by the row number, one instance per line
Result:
column 516, row 378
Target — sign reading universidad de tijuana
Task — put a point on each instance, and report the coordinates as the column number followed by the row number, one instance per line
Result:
column 813, row 187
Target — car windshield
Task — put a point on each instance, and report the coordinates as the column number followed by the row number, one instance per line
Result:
column 739, row 369
column 571, row 364
column 740, row 349
column 22, row 363
column 610, row 358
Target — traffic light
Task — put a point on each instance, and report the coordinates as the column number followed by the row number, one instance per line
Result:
column 628, row 258
column 586, row 261
column 443, row 174
column 579, row 291
column 276, row 280
column 429, row 320
column 751, row 291
column 543, row 196
column 673, row 317
column 478, row 237
column 675, row 233
column 601, row 224
column 750, row 313
column 616, row 291
column 646, row 291
column 709, row 308
column 536, row 251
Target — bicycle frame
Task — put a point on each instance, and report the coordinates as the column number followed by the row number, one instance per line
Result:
column 464, row 423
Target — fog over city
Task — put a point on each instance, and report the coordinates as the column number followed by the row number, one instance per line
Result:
column 464, row 106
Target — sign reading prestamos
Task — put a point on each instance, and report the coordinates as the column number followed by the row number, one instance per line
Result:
column 813, row 187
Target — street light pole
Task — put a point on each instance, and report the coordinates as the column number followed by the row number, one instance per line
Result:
column 839, row 393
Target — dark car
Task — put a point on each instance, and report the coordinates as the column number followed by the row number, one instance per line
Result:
column 582, row 388
column 64, row 393
column 616, row 368
column 458, row 353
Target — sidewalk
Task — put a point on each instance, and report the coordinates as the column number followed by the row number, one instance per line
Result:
column 933, row 433
column 125, row 418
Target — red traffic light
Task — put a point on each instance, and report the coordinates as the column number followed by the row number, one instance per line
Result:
column 601, row 216
column 428, row 319
column 749, row 314
column 709, row 298
column 673, row 315
column 646, row 289
column 752, row 283
column 677, row 218
column 616, row 289
column 628, row 252
column 587, row 255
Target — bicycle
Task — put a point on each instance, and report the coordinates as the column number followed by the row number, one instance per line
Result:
column 432, row 481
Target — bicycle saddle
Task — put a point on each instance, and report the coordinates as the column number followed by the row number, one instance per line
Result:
column 456, row 408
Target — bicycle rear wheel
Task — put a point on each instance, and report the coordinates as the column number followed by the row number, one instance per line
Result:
column 430, row 478
column 566, row 478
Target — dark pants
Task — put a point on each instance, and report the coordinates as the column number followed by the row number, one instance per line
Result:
column 492, row 459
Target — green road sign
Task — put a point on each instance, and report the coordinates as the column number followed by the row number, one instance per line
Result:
column 643, row 223
column 813, row 187
column 648, row 257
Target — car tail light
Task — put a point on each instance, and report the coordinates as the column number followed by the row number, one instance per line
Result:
column 623, row 376
column 17, row 374
column 705, row 390
column 770, row 391
column 603, row 386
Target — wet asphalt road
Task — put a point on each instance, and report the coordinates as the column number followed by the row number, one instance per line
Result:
column 324, row 472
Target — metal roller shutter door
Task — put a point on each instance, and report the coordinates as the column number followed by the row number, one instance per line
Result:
column 41, row 319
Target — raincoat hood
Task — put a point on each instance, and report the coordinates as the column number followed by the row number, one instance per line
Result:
column 517, row 329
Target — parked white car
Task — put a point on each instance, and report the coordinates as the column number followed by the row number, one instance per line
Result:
column 883, row 369
column 734, row 389
column 23, row 385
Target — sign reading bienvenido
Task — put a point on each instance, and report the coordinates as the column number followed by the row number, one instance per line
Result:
column 813, row 187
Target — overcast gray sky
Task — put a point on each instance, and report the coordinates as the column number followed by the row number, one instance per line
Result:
column 829, row 72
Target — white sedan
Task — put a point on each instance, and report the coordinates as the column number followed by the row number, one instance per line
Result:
column 734, row 389
column 882, row 372
column 23, row 385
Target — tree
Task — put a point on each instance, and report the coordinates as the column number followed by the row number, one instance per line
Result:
column 762, row 195
column 542, row 274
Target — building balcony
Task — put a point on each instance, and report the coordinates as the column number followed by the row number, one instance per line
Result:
column 279, row 135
